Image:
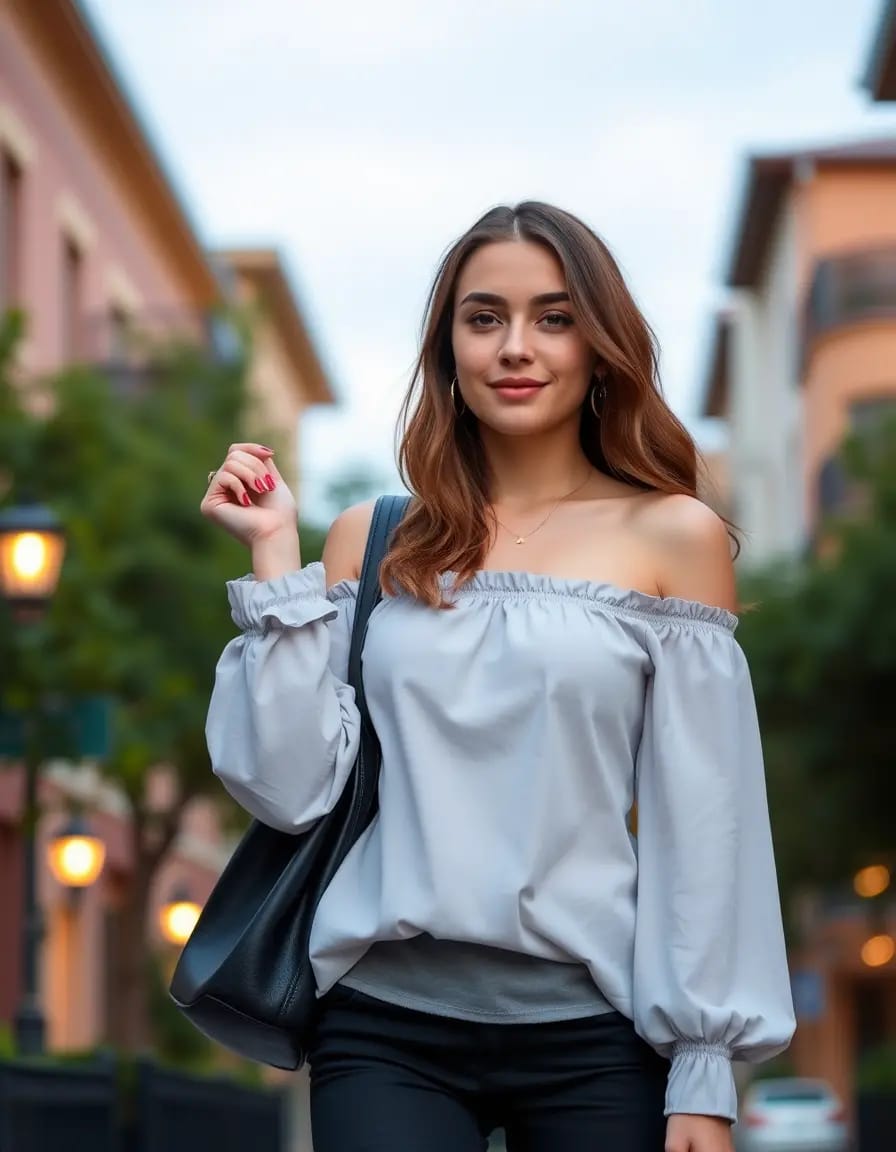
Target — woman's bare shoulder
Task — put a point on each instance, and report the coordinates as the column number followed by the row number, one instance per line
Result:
column 690, row 547
column 344, row 549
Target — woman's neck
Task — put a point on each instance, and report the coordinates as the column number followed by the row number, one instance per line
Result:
column 529, row 471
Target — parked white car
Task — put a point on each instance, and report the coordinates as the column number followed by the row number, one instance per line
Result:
column 792, row 1115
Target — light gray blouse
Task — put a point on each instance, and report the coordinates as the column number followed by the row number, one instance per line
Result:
column 517, row 730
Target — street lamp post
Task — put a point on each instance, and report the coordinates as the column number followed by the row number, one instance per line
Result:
column 28, row 1023
column 32, row 546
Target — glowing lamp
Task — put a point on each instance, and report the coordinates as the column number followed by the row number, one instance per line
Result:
column 32, row 547
column 178, row 917
column 76, row 856
column 878, row 950
column 872, row 881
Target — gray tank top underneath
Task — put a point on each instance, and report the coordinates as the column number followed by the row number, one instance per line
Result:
column 475, row 982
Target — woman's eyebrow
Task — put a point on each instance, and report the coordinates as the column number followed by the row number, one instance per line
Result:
column 491, row 298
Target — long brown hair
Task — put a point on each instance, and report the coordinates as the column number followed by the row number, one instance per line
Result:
column 637, row 438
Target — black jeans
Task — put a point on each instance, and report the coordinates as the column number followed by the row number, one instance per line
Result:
column 387, row 1079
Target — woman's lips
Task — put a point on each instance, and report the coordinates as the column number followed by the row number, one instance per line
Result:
column 523, row 390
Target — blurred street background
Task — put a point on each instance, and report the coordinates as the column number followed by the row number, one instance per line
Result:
column 219, row 221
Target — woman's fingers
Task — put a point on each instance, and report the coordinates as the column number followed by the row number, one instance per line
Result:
column 257, row 450
column 273, row 470
column 225, row 483
column 255, row 474
column 247, row 495
column 244, row 474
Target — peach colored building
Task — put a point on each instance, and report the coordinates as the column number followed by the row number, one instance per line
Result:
column 804, row 351
column 93, row 238
column 806, row 347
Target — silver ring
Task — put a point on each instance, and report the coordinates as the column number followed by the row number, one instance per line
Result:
column 211, row 476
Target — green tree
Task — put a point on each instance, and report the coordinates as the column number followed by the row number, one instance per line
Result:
column 358, row 482
column 140, row 613
column 821, row 644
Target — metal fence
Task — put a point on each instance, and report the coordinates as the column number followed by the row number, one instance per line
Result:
column 61, row 1108
column 51, row 1108
column 876, row 1115
column 176, row 1113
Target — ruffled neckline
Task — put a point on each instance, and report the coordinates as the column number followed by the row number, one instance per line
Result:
column 525, row 585
column 490, row 583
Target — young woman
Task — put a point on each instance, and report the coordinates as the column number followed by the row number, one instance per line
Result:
column 555, row 650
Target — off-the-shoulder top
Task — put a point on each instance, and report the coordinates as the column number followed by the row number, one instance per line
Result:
column 517, row 730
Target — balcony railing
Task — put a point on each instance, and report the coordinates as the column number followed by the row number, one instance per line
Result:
column 849, row 289
column 128, row 349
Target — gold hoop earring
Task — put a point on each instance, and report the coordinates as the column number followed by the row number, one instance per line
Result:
column 599, row 389
column 463, row 407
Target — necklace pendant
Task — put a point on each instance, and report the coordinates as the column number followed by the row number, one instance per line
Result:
column 521, row 540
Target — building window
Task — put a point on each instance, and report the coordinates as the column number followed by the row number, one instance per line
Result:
column 119, row 334
column 837, row 491
column 10, row 232
column 866, row 416
column 847, row 289
column 70, row 300
column 833, row 486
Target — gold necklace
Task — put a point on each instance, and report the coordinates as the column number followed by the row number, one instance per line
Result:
column 522, row 539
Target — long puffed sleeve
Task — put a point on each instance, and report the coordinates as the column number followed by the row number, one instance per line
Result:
column 711, row 982
column 283, row 728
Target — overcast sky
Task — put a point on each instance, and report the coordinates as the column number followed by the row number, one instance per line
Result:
column 361, row 137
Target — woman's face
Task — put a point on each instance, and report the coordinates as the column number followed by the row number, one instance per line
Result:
column 523, row 366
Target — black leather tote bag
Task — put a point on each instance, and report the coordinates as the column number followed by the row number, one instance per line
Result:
column 244, row 977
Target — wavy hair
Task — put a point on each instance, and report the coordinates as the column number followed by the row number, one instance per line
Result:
column 637, row 438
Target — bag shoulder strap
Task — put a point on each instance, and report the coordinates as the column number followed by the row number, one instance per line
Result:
column 387, row 515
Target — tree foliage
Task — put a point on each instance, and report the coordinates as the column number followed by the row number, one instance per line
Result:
column 821, row 643
column 358, row 482
column 140, row 614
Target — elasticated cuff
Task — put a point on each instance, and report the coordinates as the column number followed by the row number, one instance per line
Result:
column 290, row 601
column 701, row 1081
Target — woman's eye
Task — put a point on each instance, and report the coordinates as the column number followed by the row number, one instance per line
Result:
column 557, row 320
column 483, row 320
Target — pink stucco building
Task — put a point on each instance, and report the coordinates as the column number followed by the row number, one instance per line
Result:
column 93, row 236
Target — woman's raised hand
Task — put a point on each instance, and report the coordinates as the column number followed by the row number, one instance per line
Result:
column 248, row 497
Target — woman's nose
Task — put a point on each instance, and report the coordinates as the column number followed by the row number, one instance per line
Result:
column 516, row 343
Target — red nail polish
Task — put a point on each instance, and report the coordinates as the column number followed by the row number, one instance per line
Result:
column 259, row 485
column 270, row 482
column 244, row 499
